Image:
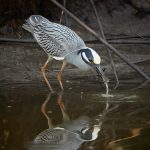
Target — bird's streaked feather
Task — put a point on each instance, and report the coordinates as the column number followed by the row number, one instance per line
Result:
column 56, row 40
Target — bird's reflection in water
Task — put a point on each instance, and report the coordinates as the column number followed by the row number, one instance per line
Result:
column 70, row 134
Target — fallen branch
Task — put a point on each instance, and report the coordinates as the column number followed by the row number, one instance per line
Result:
column 141, row 61
column 129, row 37
column 112, row 41
column 117, row 41
column 137, row 69
column 141, row 85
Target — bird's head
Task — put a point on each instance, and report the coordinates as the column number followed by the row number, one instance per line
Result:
column 88, row 133
column 90, row 57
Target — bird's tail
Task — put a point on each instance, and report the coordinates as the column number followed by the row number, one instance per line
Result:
column 28, row 27
column 32, row 21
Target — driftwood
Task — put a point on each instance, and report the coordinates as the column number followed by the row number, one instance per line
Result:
column 136, row 68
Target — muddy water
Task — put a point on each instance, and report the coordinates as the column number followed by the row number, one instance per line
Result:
column 32, row 118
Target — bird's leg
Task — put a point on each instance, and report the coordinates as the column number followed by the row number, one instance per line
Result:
column 44, row 111
column 43, row 73
column 62, row 107
column 59, row 75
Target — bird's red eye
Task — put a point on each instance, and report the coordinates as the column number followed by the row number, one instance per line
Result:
column 90, row 60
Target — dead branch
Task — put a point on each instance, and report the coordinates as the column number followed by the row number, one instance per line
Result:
column 111, row 41
column 62, row 13
column 14, row 40
column 119, row 41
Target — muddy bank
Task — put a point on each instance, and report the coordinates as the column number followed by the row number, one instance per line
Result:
column 23, row 62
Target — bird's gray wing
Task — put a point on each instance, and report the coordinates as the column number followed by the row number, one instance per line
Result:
column 56, row 139
column 50, row 44
column 57, row 40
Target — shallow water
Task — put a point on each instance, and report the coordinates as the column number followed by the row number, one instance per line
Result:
column 26, row 110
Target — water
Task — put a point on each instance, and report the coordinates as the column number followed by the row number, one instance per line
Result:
column 28, row 111
column 107, row 91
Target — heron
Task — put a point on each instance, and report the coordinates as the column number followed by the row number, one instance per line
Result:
column 70, row 133
column 62, row 44
column 66, row 136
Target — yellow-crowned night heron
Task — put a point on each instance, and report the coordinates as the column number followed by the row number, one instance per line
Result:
column 67, row 136
column 61, row 43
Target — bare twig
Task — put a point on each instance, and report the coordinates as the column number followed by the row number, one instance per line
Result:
column 137, row 69
column 108, row 50
column 61, row 17
column 63, row 14
column 141, row 61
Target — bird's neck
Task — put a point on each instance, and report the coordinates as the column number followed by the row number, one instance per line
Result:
column 76, row 59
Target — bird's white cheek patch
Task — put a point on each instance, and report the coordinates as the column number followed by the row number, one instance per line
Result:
column 97, row 60
column 84, row 56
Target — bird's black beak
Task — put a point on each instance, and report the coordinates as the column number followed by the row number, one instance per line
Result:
column 100, row 73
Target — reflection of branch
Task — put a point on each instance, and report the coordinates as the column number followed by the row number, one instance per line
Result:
column 135, row 132
column 100, row 118
column 108, row 50
column 136, row 68
column 138, row 111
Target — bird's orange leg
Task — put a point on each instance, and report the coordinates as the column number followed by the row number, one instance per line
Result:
column 43, row 73
column 59, row 75
column 44, row 111
column 62, row 107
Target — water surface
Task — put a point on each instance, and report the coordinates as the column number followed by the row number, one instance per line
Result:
column 26, row 110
